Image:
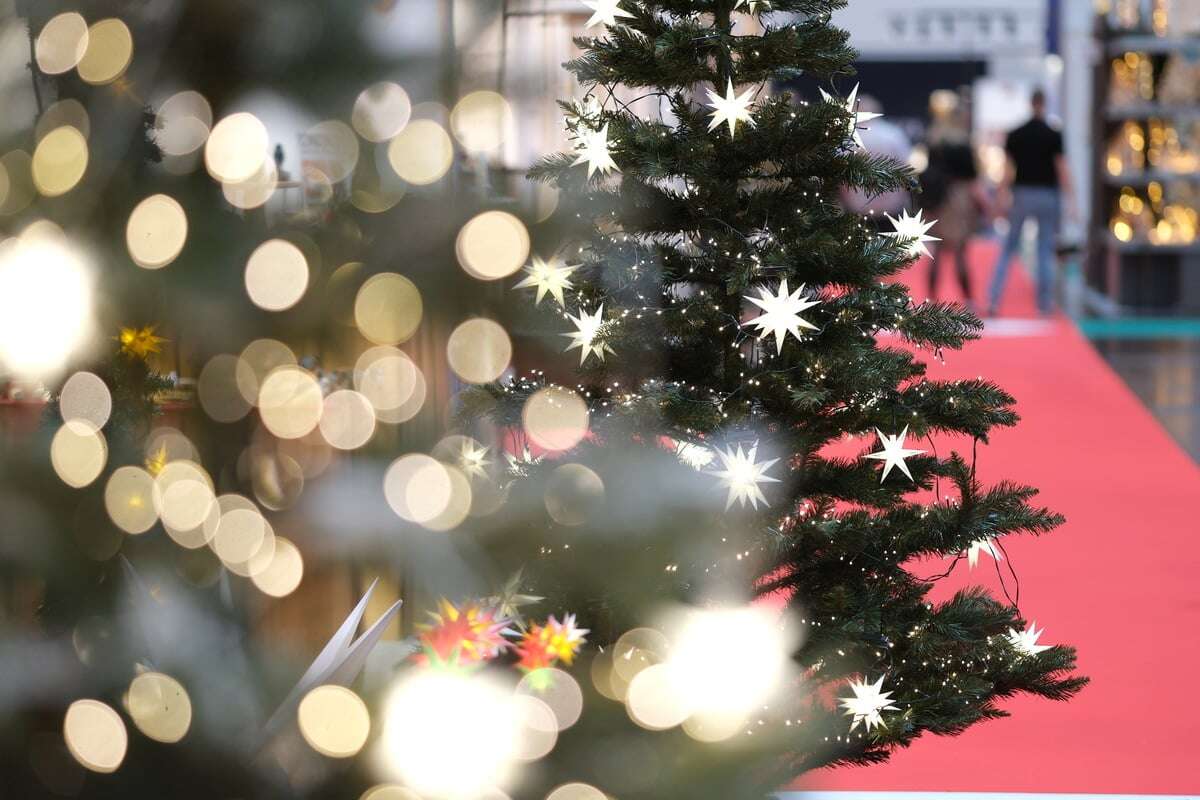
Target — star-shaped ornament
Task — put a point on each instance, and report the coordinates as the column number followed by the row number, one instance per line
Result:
column 605, row 11
column 140, row 342
column 742, row 475
column 1026, row 641
column 857, row 118
column 593, row 151
column 519, row 465
column 731, row 108
column 587, row 328
column 915, row 229
column 893, row 453
column 781, row 313
column 868, row 703
column 472, row 457
column 551, row 277
column 985, row 545
column 510, row 599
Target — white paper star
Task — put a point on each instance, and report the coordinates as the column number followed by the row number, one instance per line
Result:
column 593, row 151
column 867, row 704
column 751, row 5
column 742, row 475
column 913, row 228
column 587, row 327
column 1026, row 641
column 781, row 313
column 696, row 456
column 473, row 458
column 893, row 453
column 605, row 11
column 552, row 276
column 984, row 545
column 857, row 117
column 731, row 109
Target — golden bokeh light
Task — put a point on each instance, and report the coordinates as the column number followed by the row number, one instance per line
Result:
column 418, row 487
column 255, row 190
column 276, row 275
column 290, row 402
column 711, row 727
column 182, row 123
column 539, row 728
column 458, row 504
column 634, row 651
column 338, row 147
column 236, row 148
column 166, row 444
column 109, row 52
column 17, row 166
column 334, row 721
column 218, row 390
column 388, row 308
column 555, row 418
column 481, row 121
column 389, row 791
column 277, row 478
column 59, row 161
column 86, row 397
column 261, row 356
column 95, row 735
column 421, row 153
column 654, row 699
column 156, row 231
column 492, row 245
column 240, row 533
column 391, row 382
column 381, row 111
column 375, row 188
column 159, row 706
column 283, row 573
column 78, row 453
column 576, row 791
column 558, row 690
column 348, row 420
column 129, row 499
column 65, row 112
column 260, row 560
column 479, row 350
column 183, row 495
column 601, row 673
column 61, row 43
column 573, row 494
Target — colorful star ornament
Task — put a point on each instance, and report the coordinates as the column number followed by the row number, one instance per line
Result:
column 985, row 545
column 1026, row 641
column 542, row 646
column 593, row 151
column 140, row 342
column 857, row 117
column 731, row 108
column 551, row 277
column 893, row 453
column 462, row 636
column 781, row 313
column 472, row 457
column 913, row 229
column 587, row 328
column 742, row 475
column 605, row 11
column 867, row 704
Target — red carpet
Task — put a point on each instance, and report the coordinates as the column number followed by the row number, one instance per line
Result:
column 1120, row 581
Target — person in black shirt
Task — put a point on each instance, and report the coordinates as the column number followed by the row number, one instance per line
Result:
column 1040, row 183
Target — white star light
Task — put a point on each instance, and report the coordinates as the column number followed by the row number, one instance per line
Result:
column 1026, row 641
column 517, row 465
column 893, row 453
column 473, row 458
column 587, row 327
column 857, row 117
column 914, row 228
column 605, row 11
column 731, row 109
column 593, row 151
column 985, row 545
column 867, row 703
column 781, row 313
column 551, row 277
column 696, row 456
column 742, row 475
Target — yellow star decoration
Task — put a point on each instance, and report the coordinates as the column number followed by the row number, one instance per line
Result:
column 140, row 342
column 157, row 460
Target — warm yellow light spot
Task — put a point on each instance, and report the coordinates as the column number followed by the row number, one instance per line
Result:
column 85, row 397
column 255, row 190
column 348, row 420
column 388, row 308
column 458, row 504
column 156, row 231
column 217, row 388
column 374, row 188
column 64, row 112
column 236, row 148
column 240, row 533
column 555, row 418
column 140, row 342
column 391, row 382
column 338, row 147
column 714, row 726
column 59, row 161
column 129, row 499
column 421, row 153
column 1122, row 230
column 78, row 453
column 576, row 791
column 481, row 121
column 261, row 356
column 654, row 700
column 290, row 402
column 573, row 494
column 334, row 721
column 182, row 123
column 61, row 43
column 95, row 735
column 381, row 111
column 558, row 690
column 539, row 728
column 492, row 245
column 159, row 706
column 109, row 51
column 183, row 495
column 479, row 350
column 418, row 487
column 276, row 275
column 18, row 182
column 283, row 573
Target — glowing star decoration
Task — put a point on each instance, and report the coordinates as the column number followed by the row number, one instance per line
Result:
column 473, row 459
column 893, row 453
column 857, row 117
column 985, row 545
column 915, row 230
column 510, row 600
column 157, row 460
column 1026, row 641
column 696, row 456
column 605, row 11
column 731, row 108
column 587, row 328
column 462, row 636
column 140, row 342
column 781, row 313
column 593, row 151
column 742, row 475
column 519, row 465
column 548, row 277
column 868, row 703
column 542, row 646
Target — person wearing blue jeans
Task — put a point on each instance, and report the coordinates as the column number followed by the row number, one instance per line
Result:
column 1040, row 186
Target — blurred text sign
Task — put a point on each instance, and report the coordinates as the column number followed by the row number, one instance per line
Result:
column 938, row 28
